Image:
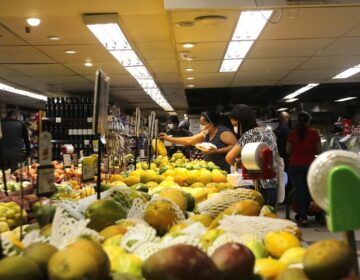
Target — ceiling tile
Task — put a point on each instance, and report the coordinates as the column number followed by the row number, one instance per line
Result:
column 8, row 38
column 41, row 69
column 156, row 50
column 162, row 66
column 146, row 28
column 254, row 84
column 110, row 68
column 326, row 62
column 205, row 51
column 311, row 75
column 270, row 64
column 312, row 22
column 6, row 72
column 167, row 77
column 28, row 83
column 94, row 53
column 22, row 54
column 260, row 76
column 204, row 33
column 343, row 46
column 201, row 78
column 203, row 66
column 287, row 48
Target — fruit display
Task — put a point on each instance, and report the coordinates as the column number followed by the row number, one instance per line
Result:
column 10, row 216
column 172, row 219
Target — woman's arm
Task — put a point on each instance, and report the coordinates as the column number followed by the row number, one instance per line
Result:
column 234, row 153
column 186, row 141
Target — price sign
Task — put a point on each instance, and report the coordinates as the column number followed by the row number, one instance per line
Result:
column 58, row 120
column 88, row 171
column 45, row 152
column 67, row 160
column 45, row 180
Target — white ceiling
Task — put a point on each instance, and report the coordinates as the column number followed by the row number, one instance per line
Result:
column 308, row 44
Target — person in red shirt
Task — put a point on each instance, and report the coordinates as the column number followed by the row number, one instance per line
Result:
column 303, row 145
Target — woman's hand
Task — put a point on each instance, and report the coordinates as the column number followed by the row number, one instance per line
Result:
column 211, row 151
column 163, row 135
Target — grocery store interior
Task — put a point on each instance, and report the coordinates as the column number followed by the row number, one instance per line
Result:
column 106, row 78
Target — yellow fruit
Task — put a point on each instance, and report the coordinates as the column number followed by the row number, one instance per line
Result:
column 161, row 215
column 46, row 230
column 87, row 191
column 192, row 177
column 243, row 207
column 219, row 178
column 19, row 268
column 293, row 256
column 112, row 230
column 169, row 172
column 114, row 240
column 202, row 218
column 180, row 179
column 151, row 184
column 276, row 243
column 178, row 227
column 198, row 185
column 205, row 177
column 113, row 252
column 208, row 238
column 128, row 264
column 268, row 268
column 72, row 263
column 4, row 227
column 175, row 195
column 131, row 180
column 147, row 176
column 199, row 194
column 40, row 253
column 116, row 177
column 137, row 173
column 168, row 183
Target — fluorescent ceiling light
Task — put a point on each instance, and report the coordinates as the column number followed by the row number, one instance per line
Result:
column 189, row 69
column 54, row 38
column 230, row 65
column 22, row 92
column 88, row 64
column 127, row 58
column 108, row 32
column 190, row 78
column 345, row 99
column 190, row 85
column 248, row 29
column 250, row 25
column 282, row 109
column 33, row 21
column 238, row 50
column 291, row 100
column 348, row 73
column 300, row 91
column 70, row 51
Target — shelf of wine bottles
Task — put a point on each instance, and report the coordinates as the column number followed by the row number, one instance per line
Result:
column 69, row 120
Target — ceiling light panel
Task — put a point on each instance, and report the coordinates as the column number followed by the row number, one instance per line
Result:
column 300, row 91
column 250, row 25
column 248, row 29
column 108, row 32
column 22, row 92
column 291, row 100
column 348, row 73
column 345, row 99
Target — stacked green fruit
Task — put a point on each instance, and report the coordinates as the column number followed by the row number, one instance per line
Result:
column 10, row 216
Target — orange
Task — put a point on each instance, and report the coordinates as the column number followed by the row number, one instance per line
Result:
column 276, row 243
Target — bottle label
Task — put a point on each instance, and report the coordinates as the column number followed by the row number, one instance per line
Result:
column 89, row 120
column 84, row 131
column 75, row 132
column 71, row 132
column 58, row 120
column 89, row 131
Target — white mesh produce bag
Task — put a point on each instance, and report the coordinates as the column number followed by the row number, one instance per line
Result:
column 65, row 229
column 72, row 207
column 181, row 238
column 137, row 209
column 145, row 250
column 140, row 234
column 260, row 226
column 8, row 248
column 35, row 237
column 219, row 202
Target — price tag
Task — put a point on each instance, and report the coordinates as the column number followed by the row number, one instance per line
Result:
column 88, row 171
column 45, row 180
column 106, row 165
column 67, row 160
column 75, row 160
column 58, row 120
column 95, row 145
column 89, row 120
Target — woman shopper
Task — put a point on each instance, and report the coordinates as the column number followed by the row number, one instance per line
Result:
column 213, row 132
column 243, row 119
column 303, row 145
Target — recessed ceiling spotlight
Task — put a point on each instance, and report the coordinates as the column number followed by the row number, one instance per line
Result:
column 189, row 69
column 190, row 85
column 185, row 23
column 188, row 45
column 70, row 51
column 54, row 38
column 190, row 78
column 88, row 64
column 33, row 21
column 210, row 19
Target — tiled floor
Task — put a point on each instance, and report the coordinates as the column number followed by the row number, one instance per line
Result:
column 315, row 232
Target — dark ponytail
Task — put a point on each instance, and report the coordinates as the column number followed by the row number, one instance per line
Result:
column 303, row 121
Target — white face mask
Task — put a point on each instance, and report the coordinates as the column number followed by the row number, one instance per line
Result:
column 236, row 129
column 171, row 126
